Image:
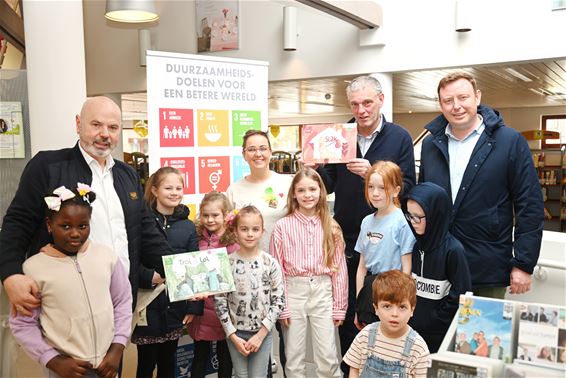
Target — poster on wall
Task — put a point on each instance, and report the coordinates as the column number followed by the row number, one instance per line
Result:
column 199, row 107
column 12, row 143
column 217, row 25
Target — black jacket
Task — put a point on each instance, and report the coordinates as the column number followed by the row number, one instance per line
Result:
column 24, row 231
column 439, row 266
column 164, row 316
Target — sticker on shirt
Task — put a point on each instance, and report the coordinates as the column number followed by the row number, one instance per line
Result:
column 374, row 237
column 271, row 198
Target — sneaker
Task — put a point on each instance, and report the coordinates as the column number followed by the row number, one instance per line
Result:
column 274, row 366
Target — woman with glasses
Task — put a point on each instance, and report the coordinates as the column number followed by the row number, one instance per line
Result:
column 265, row 189
column 439, row 264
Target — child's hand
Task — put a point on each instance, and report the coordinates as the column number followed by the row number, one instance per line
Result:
column 68, row 367
column 198, row 297
column 254, row 343
column 188, row 318
column 285, row 322
column 108, row 368
column 358, row 325
column 240, row 345
column 338, row 323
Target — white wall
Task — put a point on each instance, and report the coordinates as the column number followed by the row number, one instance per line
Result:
column 419, row 34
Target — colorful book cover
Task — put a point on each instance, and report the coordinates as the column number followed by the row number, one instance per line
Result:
column 542, row 335
column 195, row 273
column 485, row 328
column 329, row 143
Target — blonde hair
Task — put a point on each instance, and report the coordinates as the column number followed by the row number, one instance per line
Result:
column 332, row 233
column 155, row 180
column 228, row 236
column 392, row 178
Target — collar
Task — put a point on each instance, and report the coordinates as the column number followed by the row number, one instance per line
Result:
column 305, row 219
column 89, row 159
column 476, row 131
column 376, row 131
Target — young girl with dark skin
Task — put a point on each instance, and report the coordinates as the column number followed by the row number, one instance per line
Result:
column 84, row 321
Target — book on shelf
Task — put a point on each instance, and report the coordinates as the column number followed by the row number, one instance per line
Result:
column 542, row 335
column 329, row 143
column 485, row 328
column 197, row 273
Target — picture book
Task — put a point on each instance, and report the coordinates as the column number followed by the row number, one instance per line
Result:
column 194, row 273
column 329, row 143
column 542, row 335
column 485, row 328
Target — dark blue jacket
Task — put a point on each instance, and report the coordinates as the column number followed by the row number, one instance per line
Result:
column 350, row 206
column 24, row 231
column 164, row 316
column 499, row 181
column 439, row 266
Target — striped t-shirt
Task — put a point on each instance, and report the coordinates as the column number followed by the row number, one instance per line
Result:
column 390, row 350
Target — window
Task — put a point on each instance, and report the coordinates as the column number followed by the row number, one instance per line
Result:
column 554, row 123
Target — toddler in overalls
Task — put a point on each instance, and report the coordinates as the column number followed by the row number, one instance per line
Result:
column 390, row 347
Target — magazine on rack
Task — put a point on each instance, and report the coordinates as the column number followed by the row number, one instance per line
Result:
column 329, row 143
column 485, row 328
column 195, row 273
column 542, row 335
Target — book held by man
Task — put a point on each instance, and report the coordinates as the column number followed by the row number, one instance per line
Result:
column 191, row 274
column 329, row 143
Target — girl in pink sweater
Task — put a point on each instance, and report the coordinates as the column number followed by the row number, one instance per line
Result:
column 213, row 233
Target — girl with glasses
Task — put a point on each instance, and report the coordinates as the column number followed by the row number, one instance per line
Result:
column 440, row 267
column 385, row 241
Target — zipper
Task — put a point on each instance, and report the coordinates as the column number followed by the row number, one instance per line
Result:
column 422, row 262
column 79, row 270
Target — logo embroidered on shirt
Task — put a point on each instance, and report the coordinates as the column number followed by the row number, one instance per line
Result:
column 133, row 196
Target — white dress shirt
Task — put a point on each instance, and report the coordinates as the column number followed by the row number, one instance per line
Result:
column 107, row 223
column 460, row 151
column 364, row 142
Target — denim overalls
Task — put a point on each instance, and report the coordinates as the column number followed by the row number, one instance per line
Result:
column 377, row 367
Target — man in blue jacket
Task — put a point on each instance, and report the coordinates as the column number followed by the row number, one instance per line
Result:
column 487, row 169
column 377, row 140
column 120, row 217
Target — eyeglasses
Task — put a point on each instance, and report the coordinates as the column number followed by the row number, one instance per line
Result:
column 253, row 150
column 414, row 218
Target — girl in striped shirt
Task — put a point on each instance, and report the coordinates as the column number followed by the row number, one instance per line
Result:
column 308, row 244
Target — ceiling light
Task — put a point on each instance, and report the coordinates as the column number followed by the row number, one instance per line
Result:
column 131, row 10
column 517, row 74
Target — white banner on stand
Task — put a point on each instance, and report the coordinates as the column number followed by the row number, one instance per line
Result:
column 198, row 109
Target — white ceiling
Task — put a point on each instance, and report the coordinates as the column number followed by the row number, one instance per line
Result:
column 542, row 84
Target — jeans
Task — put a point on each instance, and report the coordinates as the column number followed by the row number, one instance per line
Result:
column 254, row 365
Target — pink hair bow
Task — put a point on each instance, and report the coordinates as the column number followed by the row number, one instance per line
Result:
column 61, row 194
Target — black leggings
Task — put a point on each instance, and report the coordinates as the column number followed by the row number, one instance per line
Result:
column 160, row 354
column 202, row 356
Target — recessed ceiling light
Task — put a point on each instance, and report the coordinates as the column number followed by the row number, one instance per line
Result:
column 517, row 74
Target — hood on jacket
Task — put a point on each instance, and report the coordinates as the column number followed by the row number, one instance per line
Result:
column 437, row 207
column 491, row 119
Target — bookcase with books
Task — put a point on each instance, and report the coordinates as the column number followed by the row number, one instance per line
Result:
column 501, row 338
column 550, row 164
